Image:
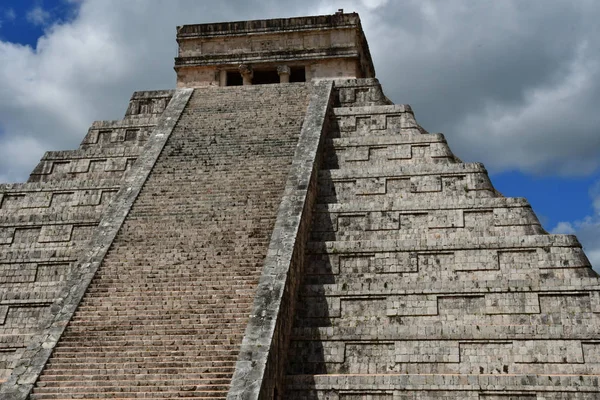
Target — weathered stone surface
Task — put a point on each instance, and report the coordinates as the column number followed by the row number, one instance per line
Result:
column 167, row 308
column 229, row 242
column 260, row 368
column 52, row 323
column 423, row 282
column 324, row 47
column 46, row 224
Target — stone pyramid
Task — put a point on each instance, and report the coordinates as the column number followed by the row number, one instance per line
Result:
column 276, row 228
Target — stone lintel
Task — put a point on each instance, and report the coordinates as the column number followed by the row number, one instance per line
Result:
column 262, row 26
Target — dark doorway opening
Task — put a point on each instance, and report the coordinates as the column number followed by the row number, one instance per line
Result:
column 265, row 77
column 298, row 74
column 234, row 78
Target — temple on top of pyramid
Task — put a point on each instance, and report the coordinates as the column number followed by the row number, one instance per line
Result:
column 276, row 228
column 273, row 51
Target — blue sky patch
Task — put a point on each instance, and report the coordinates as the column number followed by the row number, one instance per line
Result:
column 24, row 22
column 554, row 199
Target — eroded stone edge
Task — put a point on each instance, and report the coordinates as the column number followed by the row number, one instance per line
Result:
column 30, row 365
column 260, row 366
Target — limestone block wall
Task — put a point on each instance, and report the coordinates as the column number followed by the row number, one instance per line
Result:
column 166, row 311
column 110, row 147
column 423, row 282
column 46, row 223
column 332, row 69
column 359, row 92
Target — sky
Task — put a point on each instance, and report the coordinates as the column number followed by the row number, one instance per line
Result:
column 513, row 84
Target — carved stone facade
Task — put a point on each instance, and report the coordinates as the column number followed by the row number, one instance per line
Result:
column 324, row 47
column 294, row 236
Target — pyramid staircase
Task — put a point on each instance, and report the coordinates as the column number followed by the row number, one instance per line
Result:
column 46, row 223
column 165, row 314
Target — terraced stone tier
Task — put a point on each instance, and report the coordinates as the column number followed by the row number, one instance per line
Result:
column 165, row 314
column 46, row 224
column 43, row 229
column 423, row 282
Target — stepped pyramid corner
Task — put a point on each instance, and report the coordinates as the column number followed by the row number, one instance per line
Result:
column 276, row 228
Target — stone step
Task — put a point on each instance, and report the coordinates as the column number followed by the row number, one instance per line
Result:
column 133, row 308
column 149, row 360
column 198, row 316
column 476, row 327
column 190, row 386
column 402, row 171
column 78, row 176
column 48, row 216
column 205, row 325
column 386, row 153
column 384, row 140
column 378, row 204
column 167, row 344
column 134, row 386
column 189, row 395
column 173, row 395
column 209, row 337
column 150, row 307
column 122, row 149
column 151, row 281
column 182, row 311
column 100, row 380
column 426, row 233
column 148, row 291
column 66, row 374
column 105, row 366
column 63, row 186
column 487, row 243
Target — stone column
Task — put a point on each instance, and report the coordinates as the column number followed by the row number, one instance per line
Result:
column 247, row 73
column 222, row 78
column 308, row 72
column 284, row 73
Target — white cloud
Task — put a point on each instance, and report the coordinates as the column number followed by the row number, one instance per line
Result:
column 563, row 228
column 373, row 4
column 554, row 127
column 588, row 233
column 28, row 148
column 7, row 15
column 587, row 229
column 513, row 84
column 38, row 16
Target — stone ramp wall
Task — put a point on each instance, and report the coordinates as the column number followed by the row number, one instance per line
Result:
column 47, row 223
column 423, row 282
column 260, row 368
column 165, row 314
